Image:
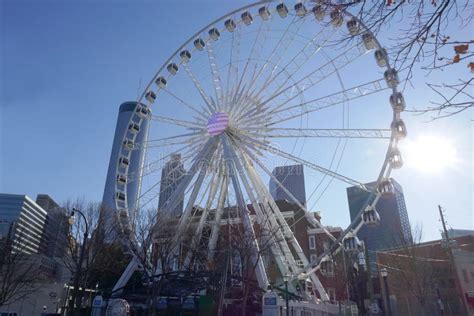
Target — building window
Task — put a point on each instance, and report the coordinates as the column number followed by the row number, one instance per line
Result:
column 326, row 246
column 332, row 294
column 313, row 258
column 465, row 276
column 312, row 242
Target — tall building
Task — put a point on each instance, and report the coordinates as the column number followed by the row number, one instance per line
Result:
column 23, row 221
column 171, row 176
column 56, row 228
column 108, row 214
column 292, row 178
column 394, row 226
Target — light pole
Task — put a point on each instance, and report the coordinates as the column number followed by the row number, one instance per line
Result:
column 286, row 278
column 384, row 274
column 81, row 259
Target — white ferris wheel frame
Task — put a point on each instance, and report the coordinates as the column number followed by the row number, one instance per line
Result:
column 286, row 263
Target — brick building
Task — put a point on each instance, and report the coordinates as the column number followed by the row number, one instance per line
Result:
column 422, row 280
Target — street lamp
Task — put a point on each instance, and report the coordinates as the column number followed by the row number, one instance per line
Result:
column 81, row 258
column 286, row 278
column 384, row 274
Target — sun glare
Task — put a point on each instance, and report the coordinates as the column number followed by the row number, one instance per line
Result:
column 430, row 154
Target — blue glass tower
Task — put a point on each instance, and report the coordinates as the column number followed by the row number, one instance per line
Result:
column 394, row 223
column 108, row 214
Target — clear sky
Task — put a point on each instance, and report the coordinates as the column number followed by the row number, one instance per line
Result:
column 67, row 66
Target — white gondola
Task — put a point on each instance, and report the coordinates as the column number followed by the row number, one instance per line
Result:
column 229, row 25
column 327, row 266
column 400, row 129
column 336, row 18
column 282, row 10
column 351, row 243
column 128, row 144
column 395, row 159
column 391, row 78
column 369, row 41
column 214, row 34
column 172, row 68
column 160, row 82
column 199, row 44
column 300, row 9
column 319, row 12
column 353, row 26
column 371, row 217
column 185, row 56
column 142, row 111
column 385, row 187
column 398, row 102
column 121, row 179
column 120, row 196
column 124, row 162
column 381, row 57
column 150, row 96
column 247, row 18
column 264, row 13
column 134, row 128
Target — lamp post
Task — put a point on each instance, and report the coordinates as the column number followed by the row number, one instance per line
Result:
column 81, row 259
column 384, row 274
column 286, row 278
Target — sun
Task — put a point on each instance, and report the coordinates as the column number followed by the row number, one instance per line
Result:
column 430, row 154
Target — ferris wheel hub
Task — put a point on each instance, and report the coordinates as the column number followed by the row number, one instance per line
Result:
column 217, row 123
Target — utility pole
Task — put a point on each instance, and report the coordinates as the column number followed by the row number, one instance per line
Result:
column 453, row 263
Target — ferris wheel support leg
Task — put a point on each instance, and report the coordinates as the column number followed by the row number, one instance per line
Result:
column 133, row 266
column 215, row 228
column 250, row 233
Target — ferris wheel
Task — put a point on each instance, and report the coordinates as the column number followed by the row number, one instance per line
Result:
column 269, row 84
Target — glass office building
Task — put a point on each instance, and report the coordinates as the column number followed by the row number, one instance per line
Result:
column 292, row 178
column 108, row 214
column 394, row 226
column 171, row 176
column 23, row 221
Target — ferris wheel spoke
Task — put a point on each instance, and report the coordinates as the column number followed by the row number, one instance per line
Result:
column 277, row 226
column 281, row 47
column 249, row 231
column 322, row 133
column 256, row 143
column 290, row 195
column 189, row 138
column 216, row 78
column 329, row 68
column 312, row 47
column 238, row 87
column 328, row 101
column 186, row 104
column 214, row 184
column 210, row 105
column 217, row 221
column 183, row 123
column 232, row 69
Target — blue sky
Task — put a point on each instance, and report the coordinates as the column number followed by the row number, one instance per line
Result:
column 67, row 65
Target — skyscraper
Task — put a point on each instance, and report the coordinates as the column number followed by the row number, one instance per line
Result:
column 56, row 228
column 292, row 178
column 171, row 176
column 394, row 224
column 23, row 221
column 108, row 214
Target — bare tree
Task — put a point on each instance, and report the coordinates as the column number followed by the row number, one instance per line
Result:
column 20, row 272
column 104, row 258
column 413, row 270
column 427, row 38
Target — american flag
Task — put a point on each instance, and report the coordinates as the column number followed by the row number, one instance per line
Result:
column 217, row 123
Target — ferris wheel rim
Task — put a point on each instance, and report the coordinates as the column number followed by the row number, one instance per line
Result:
column 386, row 169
